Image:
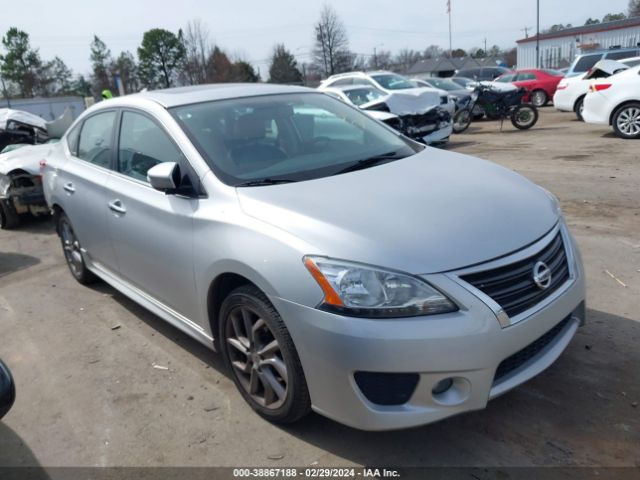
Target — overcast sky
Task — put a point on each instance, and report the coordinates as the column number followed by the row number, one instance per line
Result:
column 250, row 28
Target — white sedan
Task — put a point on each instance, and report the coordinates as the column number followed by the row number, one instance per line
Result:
column 571, row 91
column 615, row 101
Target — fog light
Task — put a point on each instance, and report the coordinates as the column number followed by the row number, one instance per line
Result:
column 442, row 386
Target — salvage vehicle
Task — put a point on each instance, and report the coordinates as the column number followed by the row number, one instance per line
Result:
column 334, row 263
column 615, row 101
column 21, row 184
column 569, row 96
column 498, row 101
column 7, row 390
column 17, row 126
column 389, row 83
column 460, row 95
column 540, row 83
column 420, row 120
column 20, row 162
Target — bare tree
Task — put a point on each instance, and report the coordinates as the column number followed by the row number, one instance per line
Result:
column 433, row 51
column 381, row 60
column 198, row 50
column 634, row 8
column 331, row 53
column 405, row 59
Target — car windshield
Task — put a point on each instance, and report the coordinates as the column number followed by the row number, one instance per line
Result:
column 443, row 84
column 360, row 96
column 391, row 81
column 286, row 137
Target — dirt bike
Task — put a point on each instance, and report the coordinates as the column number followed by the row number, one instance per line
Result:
column 497, row 105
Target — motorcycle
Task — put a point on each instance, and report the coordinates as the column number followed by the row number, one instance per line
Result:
column 497, row 104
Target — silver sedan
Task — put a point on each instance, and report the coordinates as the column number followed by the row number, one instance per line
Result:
column 335, row 264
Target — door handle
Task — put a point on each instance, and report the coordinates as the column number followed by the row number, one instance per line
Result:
column 69, row 187
column 116, row 206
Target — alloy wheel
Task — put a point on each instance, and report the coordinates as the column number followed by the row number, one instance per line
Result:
column 539, row 98
column 628, row 121
column 256, row 358
column 71, row 247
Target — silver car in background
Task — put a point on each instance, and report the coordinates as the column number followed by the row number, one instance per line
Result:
column 336, row 265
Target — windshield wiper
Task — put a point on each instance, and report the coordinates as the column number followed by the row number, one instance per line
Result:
column 370, row 162
column 265, row 181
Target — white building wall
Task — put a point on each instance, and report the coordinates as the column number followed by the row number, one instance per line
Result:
column 554, row 50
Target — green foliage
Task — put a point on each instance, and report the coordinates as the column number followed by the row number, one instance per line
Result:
column 126, row 67
column 20, row 64
column 283, row 67
column 244, row 72
column 458, row 53
column 161, row 56
column 592, row 21
column 612, row 17
column 101, row 64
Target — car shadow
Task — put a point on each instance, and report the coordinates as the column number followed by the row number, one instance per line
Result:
column 17, row 461
column 164, row 328
column 42, row 225
column 12, row 262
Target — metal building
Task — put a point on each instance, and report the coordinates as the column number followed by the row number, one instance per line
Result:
column 558, row 49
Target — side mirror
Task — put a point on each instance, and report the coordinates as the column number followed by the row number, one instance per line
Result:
column 164, row 177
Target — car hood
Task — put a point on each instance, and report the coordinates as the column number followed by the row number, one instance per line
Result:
column 409, row 101
column 431, row 212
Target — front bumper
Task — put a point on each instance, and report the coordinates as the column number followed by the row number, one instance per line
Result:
column 439, row 136
column 467, row 346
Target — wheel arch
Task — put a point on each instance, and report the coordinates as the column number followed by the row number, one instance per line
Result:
column 618, row 107
column 575, row 104
column 219, row 289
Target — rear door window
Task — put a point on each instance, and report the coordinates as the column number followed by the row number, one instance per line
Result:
column 96, row 139
column 586, row 62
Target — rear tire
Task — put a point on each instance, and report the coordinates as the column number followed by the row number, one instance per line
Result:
column 263, row 360
column 539, row 98
column 579, row 108
column 73, row 252
column 524, row 116
column 626, row 121
column 8, row 217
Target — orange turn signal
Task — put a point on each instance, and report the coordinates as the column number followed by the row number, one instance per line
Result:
column 330, row 295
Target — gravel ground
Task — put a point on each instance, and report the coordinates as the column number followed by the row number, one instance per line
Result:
column 88, row 394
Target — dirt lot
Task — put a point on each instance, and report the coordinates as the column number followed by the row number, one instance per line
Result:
column 88, row 394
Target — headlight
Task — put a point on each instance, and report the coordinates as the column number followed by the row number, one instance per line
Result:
column 363, row 291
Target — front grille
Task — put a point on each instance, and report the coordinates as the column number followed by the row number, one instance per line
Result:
column 521, row 357
column 512, row 286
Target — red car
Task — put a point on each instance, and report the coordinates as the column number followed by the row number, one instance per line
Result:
column 541, row 83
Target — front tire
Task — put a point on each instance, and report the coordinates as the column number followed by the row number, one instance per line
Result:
column 524, row 116
column 259, row 351
column 539, row 98
column 579, row 108
column 626, row 121
column 8, row 217
column 462, row 120
column 73, row 252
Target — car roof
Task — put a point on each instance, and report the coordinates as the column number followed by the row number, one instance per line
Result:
column 172, row 97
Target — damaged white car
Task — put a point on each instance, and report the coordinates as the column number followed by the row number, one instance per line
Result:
column 421, row 117
column 20, row 179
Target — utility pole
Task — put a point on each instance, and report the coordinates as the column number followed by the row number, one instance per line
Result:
column 537, row 33
column 485, row 46
column 526, row 31
column 375, row 59
column 450, row 41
